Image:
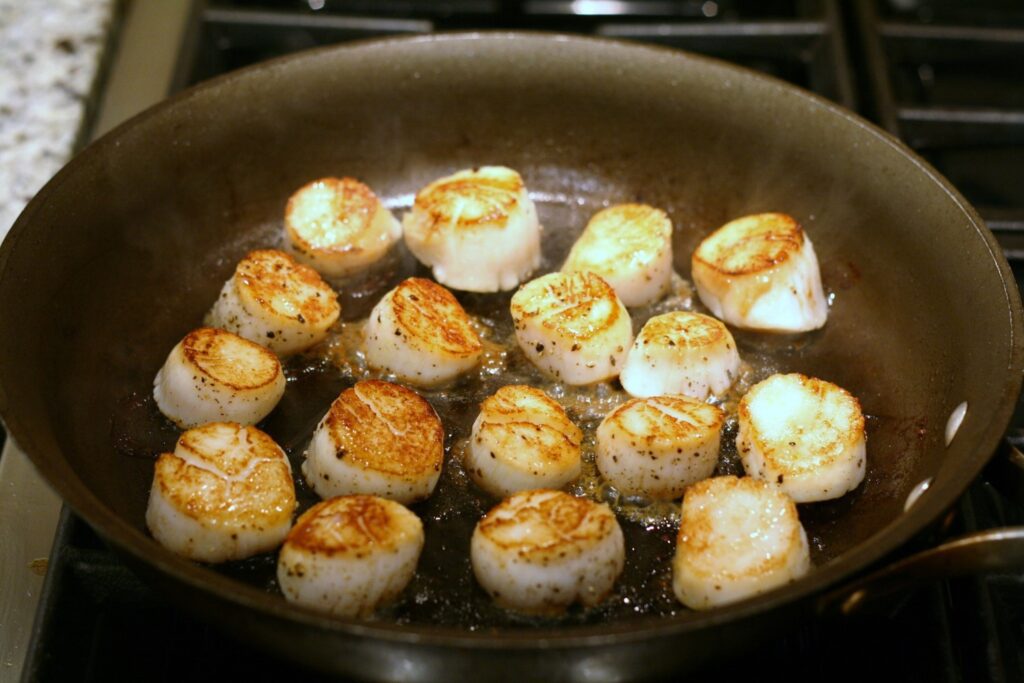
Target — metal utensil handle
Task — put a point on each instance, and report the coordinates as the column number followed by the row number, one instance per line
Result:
column 991, row 551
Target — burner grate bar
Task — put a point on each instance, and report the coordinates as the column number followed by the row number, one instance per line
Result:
column 729, row 30
column 924, row 127
column 666, row 8
column 807, row 52
column 1008, row 227
column 1004, row 221
column 791, row 41
column 946, row 34
column 276, row 21
column 953, row 93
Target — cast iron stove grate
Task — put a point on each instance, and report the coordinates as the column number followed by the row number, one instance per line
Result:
column 944, row 78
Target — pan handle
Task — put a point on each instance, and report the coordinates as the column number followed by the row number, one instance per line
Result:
column 982, row 552
column 991, row 551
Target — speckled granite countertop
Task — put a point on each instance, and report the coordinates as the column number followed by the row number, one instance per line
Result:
column 50, row 52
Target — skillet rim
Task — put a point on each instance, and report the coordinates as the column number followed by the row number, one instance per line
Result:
column 893, row 535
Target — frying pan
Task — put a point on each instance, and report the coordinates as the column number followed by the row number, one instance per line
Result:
column 123, row 251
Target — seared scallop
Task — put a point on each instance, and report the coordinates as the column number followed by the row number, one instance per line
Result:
column 477, row 229
column 804, row 435
column 522, row 439
column 275, row 301
column 760, row 272
column 338, row 226
column 737, row 538
column 681, row 353
column 378, row 438
column 214, row 376
column 348, row 556
column 658, row 446
column 630, row 246
column 541, row 551
column 572, row 326
column 420, row 333
column 226, row 493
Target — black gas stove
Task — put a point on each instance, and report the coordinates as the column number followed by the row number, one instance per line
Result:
column 947, row 77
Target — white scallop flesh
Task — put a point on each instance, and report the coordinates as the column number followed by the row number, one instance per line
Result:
column 476, row 229
column 737, row 538
column 540, row 551
column 681, row 353
column 420, row 333
column 760, row 272
column 277, row 302
column 630, row 246
column 351, row 555
column 804, row 435
column 215, row 376
column 522, row 439
column 338, row 226
column 225, row 493
column 377, row 438
column 658, row 446
column 572, row 326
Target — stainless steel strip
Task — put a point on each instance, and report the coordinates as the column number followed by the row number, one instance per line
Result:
column 28, row 516
column 143, row 69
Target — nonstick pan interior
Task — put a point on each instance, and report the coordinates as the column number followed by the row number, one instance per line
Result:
column 125, row 250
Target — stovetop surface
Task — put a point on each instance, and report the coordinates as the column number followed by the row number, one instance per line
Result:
column 944, row 76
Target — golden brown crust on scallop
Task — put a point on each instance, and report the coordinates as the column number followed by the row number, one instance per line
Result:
column 229, row 359
column 536, row 439
column 427, row 312
column 750, row 244
column 233, row 454
column 662, row 421
column 353, row 525
column 468, row 200
column 245, row 479
column 353, row 206
column 633, row 214
column 797, row 454
column 577, row 305
column 511, row 404
column 385, row 427
column 276, row 282
column 684, row 328
column 557, row 525
column 705, row 549
column 632, row 228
